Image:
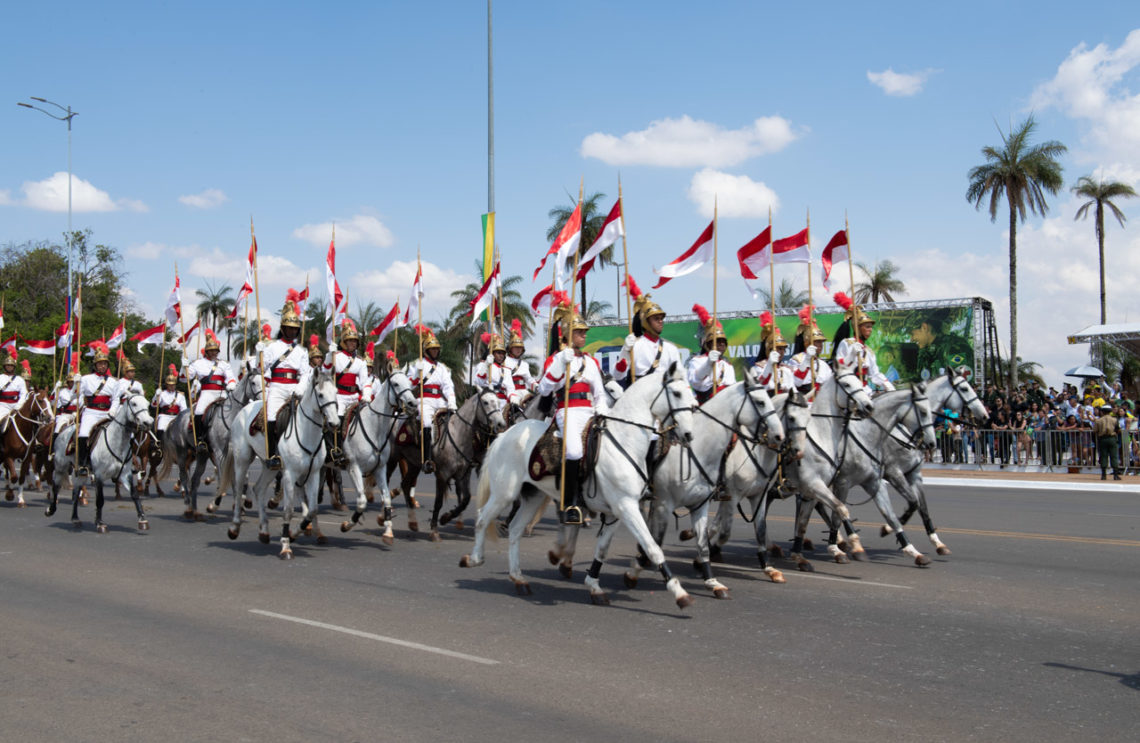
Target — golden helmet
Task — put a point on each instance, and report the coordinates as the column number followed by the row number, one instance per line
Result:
column 493, row 342
column 171, row 376
column 315, row 347
column 566, row 317
column 348, row 331
column 770, row 332
column 516, row 338
column 289, row 316
column 427, row 336
column 643, row 305
column 808, row 329
column 852, row 310
column 9, row 360
column 711, row 331
column 211, row 342
column 127, row 365
column 102, row 353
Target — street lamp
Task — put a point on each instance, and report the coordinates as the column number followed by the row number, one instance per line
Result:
column 70, row 115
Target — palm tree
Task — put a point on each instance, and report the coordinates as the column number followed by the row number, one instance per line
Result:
column 317, row 317
column 1022, row 174
column 592, row 220
column 597, row 310
column 787, row 295
column 1101, row 194
column 216, row 303
column 881, row 283
column 246, row 340
column 367, row 317
column 1027, row 371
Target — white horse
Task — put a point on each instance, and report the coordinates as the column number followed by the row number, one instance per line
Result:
column 613, row 488
column 111, row 450
column 858, row 458
column 302, row 450
column 903, row 465
column 370, row 439
column 691, row 477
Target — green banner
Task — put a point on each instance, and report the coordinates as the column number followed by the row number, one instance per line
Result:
column 909, row 344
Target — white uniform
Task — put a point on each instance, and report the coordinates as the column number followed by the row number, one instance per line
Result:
column 65, row 406
column 286, row 366
column 587, row 396
column 213, row 379
column 520, row 374
column 498, row 379
column 13, row 393
column 650, row 353
column 353, row 380
column 801, row 365
column 781, row 381
column 98, row 400
column 701, row 373
column 848, row 355
column 128, row 387
column 438, row 389
column 170, row 403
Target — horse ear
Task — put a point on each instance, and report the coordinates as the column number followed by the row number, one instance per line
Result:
column 673, row 369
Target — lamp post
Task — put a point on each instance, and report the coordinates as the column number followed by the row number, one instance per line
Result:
column 70, row 115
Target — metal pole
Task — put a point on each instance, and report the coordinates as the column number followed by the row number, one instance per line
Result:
column 490, row 118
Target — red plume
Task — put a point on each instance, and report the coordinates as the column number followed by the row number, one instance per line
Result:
column 843, row 300
column 765, row 319
column 101, row 347
column 634, row 289
column 266, row 330
column 702, row 314
column 120, row 355
column 516, row 327
column 559, row 298
column 390, row 354
column 210, row 335
column 421, row 329
column 370, row 349
column 486, row 338
column 173, row 369
column 805, row 314
column 27, row 366
column 293, row 296
column 314, row 340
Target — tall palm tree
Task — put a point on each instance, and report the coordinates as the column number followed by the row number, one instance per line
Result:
column 317, row 317
column 787, row 295
column 592, row 220
column 216, row 303
column 1022, row 174
column 597, row 310
column 367, row 317
column 245, row 339
column 881, row 283
column 1027, row 371
column 1100, row 194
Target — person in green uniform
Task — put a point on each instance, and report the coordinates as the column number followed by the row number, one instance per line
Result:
column 939, row 349
column 1106, row 429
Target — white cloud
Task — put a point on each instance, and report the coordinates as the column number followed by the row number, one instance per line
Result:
column 147, row 251
column 211, row 198
column 384, row 286
column 360, row 230
column 899, row 83
column 272, row 270
column 5, row 198
column 50, row 195
column 1090, row 86
column 736, row 195
column 686, row 143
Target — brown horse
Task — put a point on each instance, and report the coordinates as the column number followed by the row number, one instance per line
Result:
column 19, row 440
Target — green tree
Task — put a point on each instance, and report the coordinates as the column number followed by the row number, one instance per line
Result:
column 216, row 302
column 1100, row 194
column 1026, row 371
column 367, row 317
column 597, row 310
column 1022, row 174
column 592, row 220
column 787, row 296
column 881, row 283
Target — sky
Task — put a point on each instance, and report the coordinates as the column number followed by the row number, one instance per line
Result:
column 195, row 118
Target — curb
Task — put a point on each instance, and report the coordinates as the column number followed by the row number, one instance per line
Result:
column 1097, row 487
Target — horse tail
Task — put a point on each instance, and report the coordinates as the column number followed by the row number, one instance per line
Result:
column 482, row 489
column 169, row 454
column 226, row 475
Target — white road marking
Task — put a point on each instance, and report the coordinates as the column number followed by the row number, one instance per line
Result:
column 1117, row 515
column 378, row 638
column 848, row 581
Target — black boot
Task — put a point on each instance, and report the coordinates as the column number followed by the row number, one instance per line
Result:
column 83, row 469
column 429, row 465
column 274, row 462
column 1104, row 474
column 200, row 435
column 572, row 515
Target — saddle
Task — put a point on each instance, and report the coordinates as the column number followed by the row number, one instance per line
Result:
column 284, row 414
column 408, row 435
column 546, row 456
column 96, row 429
column 349, row 418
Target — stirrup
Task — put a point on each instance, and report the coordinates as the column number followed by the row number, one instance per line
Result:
column 82, row 471
column 572, row 516
column 274, row 463
column 428, row 466
column 336, row 454
column 203, row 447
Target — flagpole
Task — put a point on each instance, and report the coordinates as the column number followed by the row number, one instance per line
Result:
column 305, row 316
column 566, row 390
column 502, row 315
column 78, row 340
column 245, row 336
column 716, row 366
column 854, row 304
column 182, row 330
column 811, row 312
column 260, row 358
column 772, row 302
column 420, row 335
column 625, row 262
column 119, row 361
column 161, row 365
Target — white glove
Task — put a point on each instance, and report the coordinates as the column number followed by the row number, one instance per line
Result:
column 858, row 348
column 260, row 346
column 332, row 348
column 714, row 356
column 811, row 351
column 629, row 341
column 567, row 355
column 490, row 359
column 452, row 407
column 774, row 357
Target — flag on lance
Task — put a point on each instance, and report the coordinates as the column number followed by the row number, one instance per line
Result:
column 173, row 305
column 151, row 336
column 689, row 261
column 118, row 335
column 9, row 346
column 1, row 315
column 337, row 301
column 542, row 300
column 753, row 257
column 189, row 334
column 388, row 324
column 63, row 335
column 564, row 246
column 486, row 295
column 612, row 229
column 44, row 348
column 417, row 295
column 835, row 252
column 247, row 287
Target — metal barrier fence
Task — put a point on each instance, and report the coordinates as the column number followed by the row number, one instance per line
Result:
column 1045, row 447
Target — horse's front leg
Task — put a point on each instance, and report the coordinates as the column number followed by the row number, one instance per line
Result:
column 100, row 525
column 408, row 487
column 440, row 494
column 658, row 523
column 628, row 510
column 883, row 501
column 927, row 522
column 526, row 508
column 126, row 480
column 310, row 509
column 700, row 519
column 601, row 550
column 762, row 547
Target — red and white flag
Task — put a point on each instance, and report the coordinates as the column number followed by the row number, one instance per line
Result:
column 792, row 249
column 247, row 287
column 189, row 334
column 612, row 229
column 338, row 303
column 1, row 318
column 417, row 295
column 44, row 348
column 9, row 346
column 151, row 336
column 835, row 252
column 689, row 261
column 542, row 300
column 173, row 305
column 118, row 335
column 388, row 324
column 63, row 335
column 753, row 257
column 486, row 295
column 564, row 245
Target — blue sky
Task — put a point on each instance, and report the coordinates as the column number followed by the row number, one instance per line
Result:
column 196, row 117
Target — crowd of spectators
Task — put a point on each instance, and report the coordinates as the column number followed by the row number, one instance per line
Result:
column 1033, row 425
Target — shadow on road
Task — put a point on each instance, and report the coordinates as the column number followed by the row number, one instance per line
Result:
column 1131, row 680
column 559, row 592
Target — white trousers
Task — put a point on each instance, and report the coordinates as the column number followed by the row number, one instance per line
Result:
column 576, row 422
column 204, row 399
column 89, row 419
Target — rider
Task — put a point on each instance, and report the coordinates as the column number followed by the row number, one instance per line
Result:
column 97, row 399
column 807, row 368
column 26, row 373
column 66, row 396
column 214, row 378
column 432, row 383
column 709, row 366
column 353, row 380
column 13, row 389
column 168, row 402
column 767, row 369
column 852, row 353
column 128, row 385
column 520, row 370
column 587, row 394
column 285, row 366
column 644, row 348
column 493, row 373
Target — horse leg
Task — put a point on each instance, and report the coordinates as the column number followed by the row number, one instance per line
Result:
column 462, row 482
column 657, row 521
column 761, row 527
column 628, row 510
column 144, row 525
column 700, row 520
column 100, row 525
column 75, row 486
column 238, row 464
column 601, row 550
column 529, row 531
column 883, row 501
column 838, row 545
column 495, row 501
column 931, row 532
column 440, row 494
column 514, row 558
column 287, row 518
column 408, row 486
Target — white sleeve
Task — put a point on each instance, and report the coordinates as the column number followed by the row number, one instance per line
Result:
column 699, row 377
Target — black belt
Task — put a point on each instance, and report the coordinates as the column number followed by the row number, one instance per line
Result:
column 348, row 390
column 579, row 395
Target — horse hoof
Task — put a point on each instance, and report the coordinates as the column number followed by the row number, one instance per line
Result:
column 522, row 588
column 629, row 580
column 777, row 576
column 144, row 525
column 805, row 567
column 246, row 503
column 842, row 558
column 465, row 561
column 686, row 535
column 776, row 551
column 435, row 537
column 808, row 545
column 21, row 504
column 922, row 561
column 859, row 554
column 459, row 524
column 684, row 601
column 388, row 540
column 345, row 526
column 272, row 504
column 721, row 593
column 885, row 531
column 339, row 507
column 944, row 550
column 263, row 538
column 413, row 526
column 567, row 571
column 395, row 492
column 380, row 520
column 188, row 514
column 553, row 557
column 286, row 554
column 232, row 533
column 49, row 511
column 101, row 528
column 211, row 508
column 599, row 599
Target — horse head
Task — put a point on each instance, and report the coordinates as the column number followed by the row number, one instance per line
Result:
column 797, row 414
column 324, row 391
column 673, row 406
column 920, row 409
column 138, row 411
column 852, row 388
column 612, row 387
column 967, row 400
column 41, row 407
column 401, row 395
column 763, row 409
column 489, row 412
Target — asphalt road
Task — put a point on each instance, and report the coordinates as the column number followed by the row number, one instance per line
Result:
column 1027, row 632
